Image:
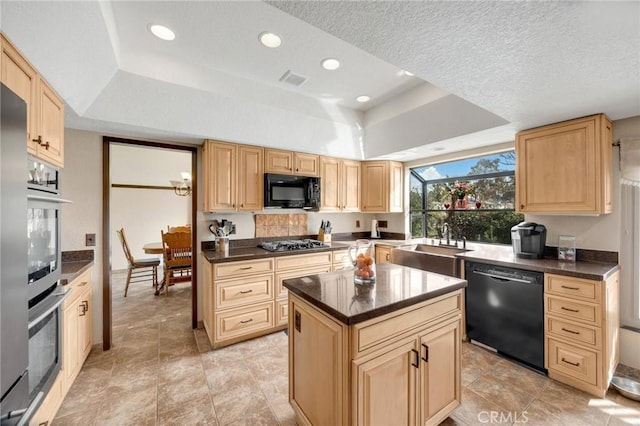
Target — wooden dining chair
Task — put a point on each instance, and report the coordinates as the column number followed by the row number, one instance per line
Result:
column 138, row 269
column 184, row 228
column 177, row 257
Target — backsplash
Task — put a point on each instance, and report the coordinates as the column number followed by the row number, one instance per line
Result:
column 280, row 225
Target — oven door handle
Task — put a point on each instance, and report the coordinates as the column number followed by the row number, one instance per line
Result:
column 62, row 297
column 26, row 413
column 49, row 199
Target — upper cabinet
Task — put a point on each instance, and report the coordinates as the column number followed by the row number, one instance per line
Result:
column 340, row 181
column 233, row 177
column 565, row 168
column 291, row 163
column 382, row 186
column 45, row 109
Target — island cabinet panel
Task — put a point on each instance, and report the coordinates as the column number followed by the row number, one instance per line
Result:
column 565, row 167
column 207, row 298
column 385, row 386
column 317, row 367
column 402, row 367
column 581, row 331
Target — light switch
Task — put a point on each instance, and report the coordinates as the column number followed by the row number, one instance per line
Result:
column 90, row 240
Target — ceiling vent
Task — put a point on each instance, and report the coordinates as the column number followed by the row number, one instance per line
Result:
column 294, row 79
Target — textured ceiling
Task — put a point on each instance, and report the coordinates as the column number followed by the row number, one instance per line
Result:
column 483, row 70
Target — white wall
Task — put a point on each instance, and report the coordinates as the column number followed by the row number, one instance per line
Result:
column 82, row 183
column 144, row 212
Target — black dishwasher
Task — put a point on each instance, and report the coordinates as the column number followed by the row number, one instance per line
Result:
column 505, row 311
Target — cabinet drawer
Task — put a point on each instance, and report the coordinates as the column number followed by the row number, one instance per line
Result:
column 77, row 287
column 573, row 287
column 571, row 309
column 574, row 331
column 241, row 321
column 573, row 361
column 242, row 292
column 305, row 260
column 371, row 333
column 280, row 276
column 341, row 257
column 282, row 311
column 244, row 268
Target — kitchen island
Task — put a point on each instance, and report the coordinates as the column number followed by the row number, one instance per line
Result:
column 383, row 353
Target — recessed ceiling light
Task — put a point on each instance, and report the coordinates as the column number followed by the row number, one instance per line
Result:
column 330, row 64
column 270, row 39
column 363, row 98
column 407, row 73
column 162, row 32
column 438, row 148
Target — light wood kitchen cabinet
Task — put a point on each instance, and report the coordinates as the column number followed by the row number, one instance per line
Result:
column 565, row 168
column 233, row 177
column 383, row 254
column 405, row 365
column 45, row 109
column 77, row 328
column 291, row 163
column 581, row 331
column 340, row 180
column 382, row 187
column 340, row 260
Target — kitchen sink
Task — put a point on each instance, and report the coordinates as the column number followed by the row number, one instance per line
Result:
column 438, row 259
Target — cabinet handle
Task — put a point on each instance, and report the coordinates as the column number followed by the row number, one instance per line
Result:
column 45, row 145
column 82, row 284
column 297, row 169
column 45, row 423
column 242, row 205
column 388, row 257
column 246, row 268
column 246, row 291
column 417, row 363
column 577, row 364
column 570, row 288
column 425, row 358
column 246, row 321
column 570, row 310
column 83, row 310
column 297, row 322
column 521, row 206
column 85, row 303
column 570, row 331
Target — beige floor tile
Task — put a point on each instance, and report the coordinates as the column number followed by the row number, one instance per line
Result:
column 197, row 411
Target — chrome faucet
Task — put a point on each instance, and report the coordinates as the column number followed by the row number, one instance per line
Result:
column 445, row 233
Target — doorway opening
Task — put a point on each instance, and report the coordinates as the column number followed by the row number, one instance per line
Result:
column 166, row 204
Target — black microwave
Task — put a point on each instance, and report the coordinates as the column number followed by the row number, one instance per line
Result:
column 291, row 192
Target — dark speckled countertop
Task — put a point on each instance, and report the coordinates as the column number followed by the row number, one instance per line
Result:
column 503, row 256
column 249, row 253
column 74, row 263
column 396, row 287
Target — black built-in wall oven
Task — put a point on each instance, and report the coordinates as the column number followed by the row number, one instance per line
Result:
column 30, row 295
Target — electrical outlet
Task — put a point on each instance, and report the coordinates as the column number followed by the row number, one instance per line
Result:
column 90, row 240
column 382, row 224
column 357, row 224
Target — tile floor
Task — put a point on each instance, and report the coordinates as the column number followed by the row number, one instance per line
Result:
column 160, row 372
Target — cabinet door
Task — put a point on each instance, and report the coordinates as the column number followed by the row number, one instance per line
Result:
column 396, row 174
column 350, row 193
column 70, row 339
column 558, row 168
column 21, row 78
column 330, row 182
column 316, row 352
column 207, row 297
column 385, row 387
column 220, row 176
column 439, row 372
column 375, row 186
column 306, row 164
column 51, row 125
column 85, row 325
column 383, row 255
column 250, row 178
column 278, row 161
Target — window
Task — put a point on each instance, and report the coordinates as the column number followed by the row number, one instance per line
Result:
column 475, row 197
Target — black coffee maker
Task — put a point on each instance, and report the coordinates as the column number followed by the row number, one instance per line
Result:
column 528, row 240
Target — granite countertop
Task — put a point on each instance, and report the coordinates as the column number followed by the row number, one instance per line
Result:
column 74, row 263
column 503, row 256
column 396, row 287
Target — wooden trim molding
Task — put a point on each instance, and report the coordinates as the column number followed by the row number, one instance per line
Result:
column 128, row 186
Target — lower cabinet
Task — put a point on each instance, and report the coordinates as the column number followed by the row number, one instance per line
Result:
column 77, row 339
column 376, row 372
column 383, row 254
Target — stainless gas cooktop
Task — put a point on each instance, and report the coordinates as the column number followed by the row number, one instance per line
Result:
column 287, row 245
